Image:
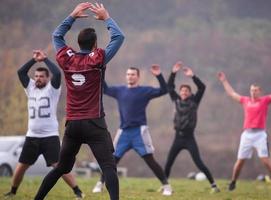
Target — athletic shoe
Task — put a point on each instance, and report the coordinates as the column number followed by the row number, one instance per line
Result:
column 214, row 190
column 232, row 186
column 79, row 196
column 166, row 190
column 9, row 195
column 98, row 187
column 267, row 179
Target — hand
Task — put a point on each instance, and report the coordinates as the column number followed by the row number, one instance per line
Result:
column 78, row 11
column 100, row 12
column 178, row 65
column 155, row 69
column 188, row 71
column 221, row 76
column 39, row 55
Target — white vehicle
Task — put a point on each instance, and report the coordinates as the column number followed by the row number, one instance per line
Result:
column 10, row 150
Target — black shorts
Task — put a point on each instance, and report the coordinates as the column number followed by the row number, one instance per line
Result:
column 33, row 147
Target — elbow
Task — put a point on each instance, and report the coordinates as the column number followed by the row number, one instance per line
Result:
column 19, row 72
column 121, row 37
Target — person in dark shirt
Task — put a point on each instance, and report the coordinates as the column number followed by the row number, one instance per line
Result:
column 185, row 121
column 84, row 77
column 133, row 132
column 42, row 137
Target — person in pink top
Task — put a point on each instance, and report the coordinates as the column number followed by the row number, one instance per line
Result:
column 254, row 134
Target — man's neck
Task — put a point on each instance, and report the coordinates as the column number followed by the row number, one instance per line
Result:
column 132, row 85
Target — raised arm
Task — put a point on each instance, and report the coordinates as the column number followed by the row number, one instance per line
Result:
column 22, row 72
column 228, row 88
column 116, row 35
column 110, row 91
column 200, row 85
column 64, row 27
column 171, row 85
column 157, row 92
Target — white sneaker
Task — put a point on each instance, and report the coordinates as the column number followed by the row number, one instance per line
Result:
column 166, row 190
column 98, row 187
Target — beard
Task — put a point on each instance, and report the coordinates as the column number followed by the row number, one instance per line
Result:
column 40, row 84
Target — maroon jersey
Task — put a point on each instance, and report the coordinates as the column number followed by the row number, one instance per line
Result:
column 84, row 76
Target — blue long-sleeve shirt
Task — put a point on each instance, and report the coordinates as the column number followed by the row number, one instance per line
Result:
column 132, row 102
column 116, row 37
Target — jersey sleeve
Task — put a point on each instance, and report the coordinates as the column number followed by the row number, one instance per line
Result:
column 267, row 99
column 243, row 99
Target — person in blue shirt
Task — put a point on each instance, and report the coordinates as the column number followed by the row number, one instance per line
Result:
column 84, row 74
column 133, row 133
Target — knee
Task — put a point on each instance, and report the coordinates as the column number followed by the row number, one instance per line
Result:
column 63, row 169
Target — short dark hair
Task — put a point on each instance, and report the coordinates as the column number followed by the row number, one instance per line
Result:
column 43, row 69
column 186, row 86
column 87, row 38
column 136, row 69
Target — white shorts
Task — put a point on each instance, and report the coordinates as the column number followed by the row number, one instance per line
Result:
column 253, row 138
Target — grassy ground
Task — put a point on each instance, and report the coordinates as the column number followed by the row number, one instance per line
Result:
column 145, row 189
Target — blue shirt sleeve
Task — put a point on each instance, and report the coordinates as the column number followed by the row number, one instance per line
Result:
column 60, row 32
column 111, row 91
column 116, row 39
column 157, row 92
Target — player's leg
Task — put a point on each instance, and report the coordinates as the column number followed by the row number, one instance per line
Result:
column 29, row 155
column 50, row 147
column 261, row 145
column 142, row 144
column 238, row 165
column 192, row 147
column 244, row 152
column 17, row 178
column 173, row 152
column 70, row 146
column 122, row 145
column 100, row 184
column 100, row 142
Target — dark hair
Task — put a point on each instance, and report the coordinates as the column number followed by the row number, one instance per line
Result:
column 43, row 69
column 186, row 86
column 87, row 38
column 136, row 69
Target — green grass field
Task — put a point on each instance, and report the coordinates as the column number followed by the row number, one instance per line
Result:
column 145, row 189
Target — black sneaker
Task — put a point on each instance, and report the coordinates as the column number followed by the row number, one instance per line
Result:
column 232, row 186
column 79, row 195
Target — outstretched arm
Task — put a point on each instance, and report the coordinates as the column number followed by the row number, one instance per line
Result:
column 229, row 90
column 64, row 27
column 110, row 91
column 116, row 35
column 171, row 86
column 200, row 85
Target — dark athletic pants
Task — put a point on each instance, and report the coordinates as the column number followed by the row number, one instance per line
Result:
column 190, row 144
column 96, row 136
column 153, row 165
